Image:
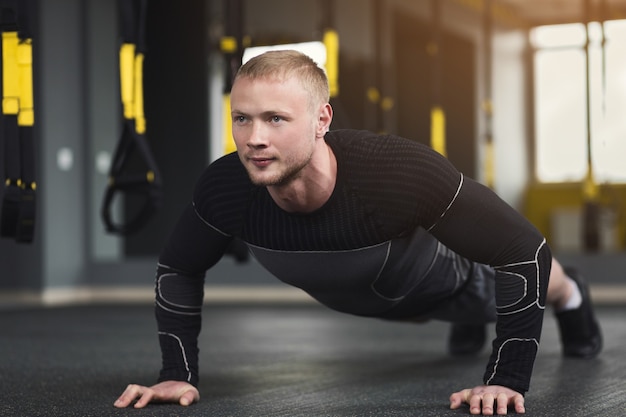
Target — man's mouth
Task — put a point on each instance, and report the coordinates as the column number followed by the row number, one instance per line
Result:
column 260, row 162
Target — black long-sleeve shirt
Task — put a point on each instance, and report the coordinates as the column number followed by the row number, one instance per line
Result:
column 362, row 251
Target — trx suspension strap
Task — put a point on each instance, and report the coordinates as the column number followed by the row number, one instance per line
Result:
column 591, row 191
column 18, row 117
column 330, row 39
column 437, row 114
column 489, row 165
column 231, row 46
column 133, row 140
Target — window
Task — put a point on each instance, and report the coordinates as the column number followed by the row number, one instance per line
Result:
column 561, row 101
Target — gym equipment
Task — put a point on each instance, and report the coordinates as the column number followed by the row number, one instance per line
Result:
column 437, row 113
column 18, row 118
column 591, row 192
column 146, row 184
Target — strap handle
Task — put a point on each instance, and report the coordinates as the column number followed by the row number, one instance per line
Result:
column 147, row 184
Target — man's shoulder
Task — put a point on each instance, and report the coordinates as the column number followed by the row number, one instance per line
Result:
column 368, row 149
column 365, row 140
column 226, row 175
column 226, row 167
column 349, row 137
column 222, row 193
column 228, row 161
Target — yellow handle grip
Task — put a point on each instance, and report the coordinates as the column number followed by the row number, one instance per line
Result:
column 127, row 63
column 10, row 74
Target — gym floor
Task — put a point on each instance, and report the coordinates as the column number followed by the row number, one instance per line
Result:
column 281, row 360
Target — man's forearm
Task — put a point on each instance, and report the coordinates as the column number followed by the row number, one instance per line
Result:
column 178, row 311
column 520, row 297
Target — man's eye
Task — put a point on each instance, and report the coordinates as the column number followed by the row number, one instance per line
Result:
column 276, row 119
column 240, row 119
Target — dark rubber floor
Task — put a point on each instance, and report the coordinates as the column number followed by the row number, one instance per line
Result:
column 301, row 360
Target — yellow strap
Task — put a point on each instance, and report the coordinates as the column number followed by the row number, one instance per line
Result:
column 438, row 130
column 140, row 119
column 26, row 116
column 331, row 41
column 127, row 63
column 490, row 169
column 590, row 188
column 10, row 77
column 228, row 142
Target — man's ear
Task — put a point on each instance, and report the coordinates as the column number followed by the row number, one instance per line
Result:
column 324, row 118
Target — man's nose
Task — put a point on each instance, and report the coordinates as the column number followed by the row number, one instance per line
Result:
column 258, row 135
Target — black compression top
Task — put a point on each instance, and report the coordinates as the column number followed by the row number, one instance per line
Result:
column 364, row 251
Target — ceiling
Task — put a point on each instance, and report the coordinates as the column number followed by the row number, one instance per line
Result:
column 549, row 12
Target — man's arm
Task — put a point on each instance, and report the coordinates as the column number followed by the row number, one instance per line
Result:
column 192, row 248
column 482, row 227
column 178, row 310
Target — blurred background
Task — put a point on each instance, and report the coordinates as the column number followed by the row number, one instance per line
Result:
column 527, row 96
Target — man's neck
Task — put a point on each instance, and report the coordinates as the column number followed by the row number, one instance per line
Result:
column 312, row 189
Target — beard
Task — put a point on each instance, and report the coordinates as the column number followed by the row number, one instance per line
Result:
column 291, row 171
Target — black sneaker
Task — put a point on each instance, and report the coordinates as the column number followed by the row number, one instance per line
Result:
column 581, row 336
column 466, row 339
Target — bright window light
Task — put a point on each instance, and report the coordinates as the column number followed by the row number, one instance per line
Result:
column 560, row 115
column 558, row 36
column 561, row 102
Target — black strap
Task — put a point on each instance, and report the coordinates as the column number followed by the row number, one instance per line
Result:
column 25, row 18
column 18, row 203
column 12, row 171
column 133, row 22
column 148, row 184
column 25, row 229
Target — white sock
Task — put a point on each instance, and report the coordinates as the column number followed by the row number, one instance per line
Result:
column 575, row 300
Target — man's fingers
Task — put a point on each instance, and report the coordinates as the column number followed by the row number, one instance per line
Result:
column 145, row 395
column 179, row 392
column 502, row 403
column 475, row 402
column 126, row 398
column 454, row 402
column 458, row 398
column 188, row 398
column 518, row 402
column 487, row 404
column 131, row 392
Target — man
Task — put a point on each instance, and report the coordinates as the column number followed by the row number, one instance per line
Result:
column 376, row 226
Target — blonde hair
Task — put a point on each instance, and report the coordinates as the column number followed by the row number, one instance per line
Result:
column 282, row 64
